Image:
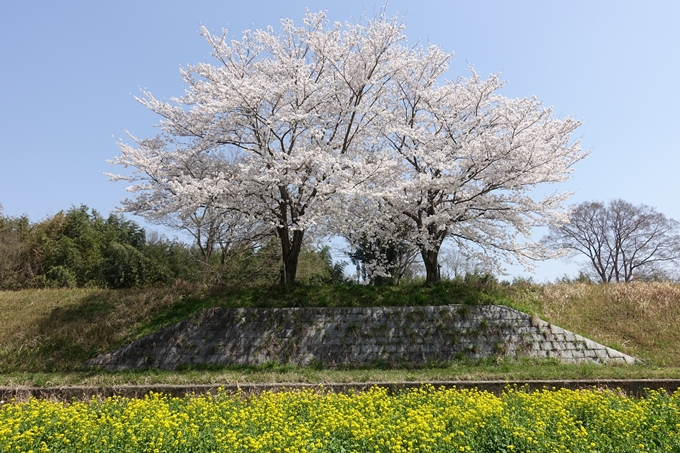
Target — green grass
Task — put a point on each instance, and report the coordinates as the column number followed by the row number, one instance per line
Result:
column 60, row 329
column 46, row 335
column 335, row 296
column 483, row 370
column 57, row 330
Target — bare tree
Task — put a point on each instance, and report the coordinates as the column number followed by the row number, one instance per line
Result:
column 623, row 242
column 455, row 264
column 214, row 229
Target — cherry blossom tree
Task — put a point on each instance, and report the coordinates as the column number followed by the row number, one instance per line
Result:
column 347, row 127
column 298, row 108
column 202, row 213
column 468, row 160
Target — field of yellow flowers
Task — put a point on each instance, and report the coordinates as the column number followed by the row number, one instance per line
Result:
column 423, row 420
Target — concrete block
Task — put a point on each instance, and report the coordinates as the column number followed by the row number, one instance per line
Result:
column 545, row 345
column 602, row 353
column 590, row 353
column 564, row 354
column 578, row 354
column 556, row 330
column 369, row 350
column 559, row 337
column 590, row 344
column 630, row 360
column 398, row 339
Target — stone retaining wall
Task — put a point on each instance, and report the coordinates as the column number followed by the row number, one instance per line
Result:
column 354, row 336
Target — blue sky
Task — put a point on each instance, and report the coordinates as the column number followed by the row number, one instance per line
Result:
column 70, row 70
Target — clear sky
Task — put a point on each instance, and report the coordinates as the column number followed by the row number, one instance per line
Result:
column 70, row 69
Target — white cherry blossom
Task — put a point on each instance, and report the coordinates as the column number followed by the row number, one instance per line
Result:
column 347, row 127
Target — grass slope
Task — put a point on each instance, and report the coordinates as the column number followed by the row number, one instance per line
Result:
column 43, row 332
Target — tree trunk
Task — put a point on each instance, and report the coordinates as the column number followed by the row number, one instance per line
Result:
column 290, row 252
column 432, row 268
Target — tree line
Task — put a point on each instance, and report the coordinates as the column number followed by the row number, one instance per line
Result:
column 81, row 248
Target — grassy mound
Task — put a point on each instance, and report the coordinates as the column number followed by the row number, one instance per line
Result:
column 58, row 330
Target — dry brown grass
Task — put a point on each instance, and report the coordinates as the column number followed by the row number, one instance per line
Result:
column 639, row 318
column 49, row 330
